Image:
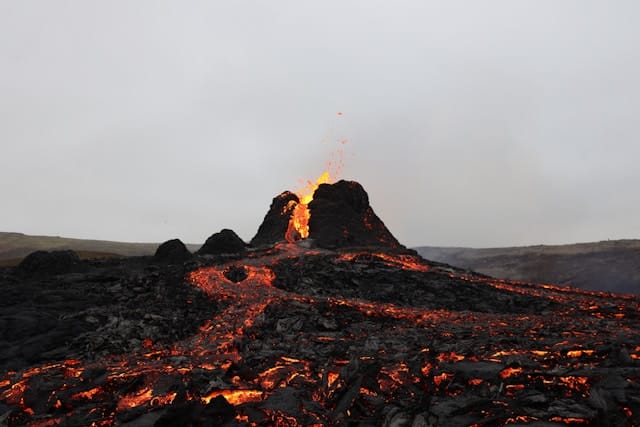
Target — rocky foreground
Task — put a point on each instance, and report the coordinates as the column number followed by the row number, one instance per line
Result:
column 292, row 336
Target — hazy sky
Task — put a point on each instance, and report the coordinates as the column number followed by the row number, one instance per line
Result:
column 476, row 123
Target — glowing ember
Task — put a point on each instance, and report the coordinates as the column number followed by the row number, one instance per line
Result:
column 579, row 353
column 441, row 378
column 576, row 383
column 450, row 357
column 46, row 423
column 509, row 372
column 144, row 397
column 88, row 394
column 235, row 397
column 570, row 420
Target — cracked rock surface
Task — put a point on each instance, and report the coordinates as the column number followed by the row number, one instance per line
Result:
column 296, row 337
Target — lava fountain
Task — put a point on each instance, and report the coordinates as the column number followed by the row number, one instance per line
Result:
column 299, row 222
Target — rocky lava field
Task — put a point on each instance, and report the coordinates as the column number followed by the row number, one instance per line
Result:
column 342, row 326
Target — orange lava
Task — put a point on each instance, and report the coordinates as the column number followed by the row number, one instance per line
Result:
column 299, row 221
column 570, row 420
column 509, row 372
column 405, row 262
column 450, row 357
column 143, row 397
column 235, row 397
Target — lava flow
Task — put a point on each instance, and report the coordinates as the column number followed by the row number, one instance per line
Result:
column 311, row 357
column 377, row 336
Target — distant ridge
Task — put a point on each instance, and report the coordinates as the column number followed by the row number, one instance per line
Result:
column 610, row 265
column 14, row 246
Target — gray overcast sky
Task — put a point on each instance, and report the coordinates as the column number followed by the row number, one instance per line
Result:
column 475, row 123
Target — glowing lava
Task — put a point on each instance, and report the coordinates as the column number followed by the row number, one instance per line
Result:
column 299, row 222
column 341, row 358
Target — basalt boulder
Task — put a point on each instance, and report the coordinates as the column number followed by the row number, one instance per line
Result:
column 224, row 242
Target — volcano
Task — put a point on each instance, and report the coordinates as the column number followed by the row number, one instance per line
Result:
column 336, row 216
column 354, row 330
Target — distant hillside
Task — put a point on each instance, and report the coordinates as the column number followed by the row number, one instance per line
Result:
column 612, row 266
column 14, row 246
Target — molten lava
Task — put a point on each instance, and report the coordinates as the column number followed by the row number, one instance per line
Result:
column 299, row 222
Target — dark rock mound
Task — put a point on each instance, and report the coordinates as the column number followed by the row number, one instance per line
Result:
column 172, row 252
column 54, row 262
column 341, row 216
column 236, row 273
column 276, row 221
column 224, row 242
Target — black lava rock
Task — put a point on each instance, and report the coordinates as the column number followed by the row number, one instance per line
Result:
column 48, row 263
column 188, row 414
column 103, row 307
column 172, row 252
column 236, row 273
column 224, row 242
column 341, row 217
column 276, row 221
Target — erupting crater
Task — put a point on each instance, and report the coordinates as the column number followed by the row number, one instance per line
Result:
column 357, row 331
column 333, row 215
